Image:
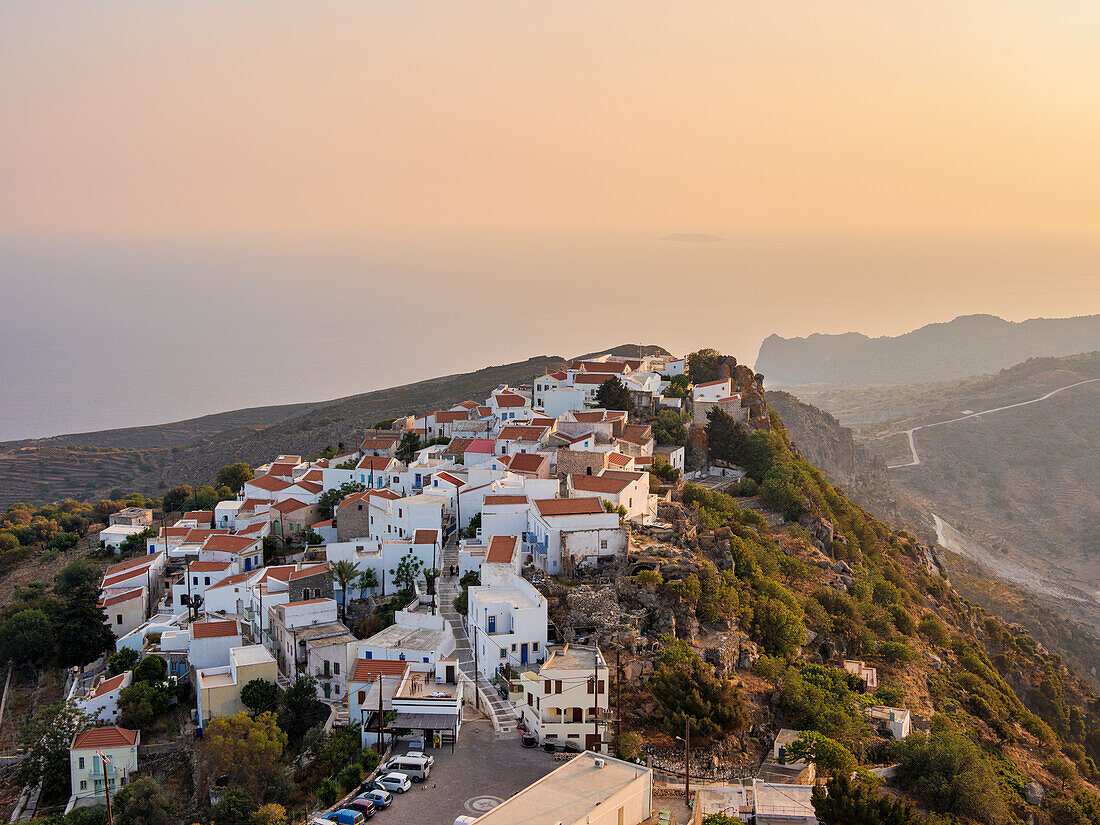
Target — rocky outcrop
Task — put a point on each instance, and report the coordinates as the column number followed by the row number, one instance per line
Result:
column 830, row 447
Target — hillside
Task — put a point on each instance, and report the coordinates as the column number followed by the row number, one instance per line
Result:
column 968, row 345
column 156, row 458
column 1015, row 490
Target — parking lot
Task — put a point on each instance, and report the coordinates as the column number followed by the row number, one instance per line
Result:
column 481, row 773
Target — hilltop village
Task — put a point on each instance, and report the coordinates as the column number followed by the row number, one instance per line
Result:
column 614, row 595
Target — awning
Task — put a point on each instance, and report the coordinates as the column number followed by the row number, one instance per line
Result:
column 425, row 721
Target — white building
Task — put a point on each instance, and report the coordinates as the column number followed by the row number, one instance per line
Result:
column 198, row 576
column 589, row 789
column 211, row 641
column 112, row 537
column 416, row 637
column 565, row 533
column 101, row 759
column 567, row 700
column 897, row 721
column 507, row 618
column 126, row 610
column 101, row 702
column 619, row 488
column 712, row 390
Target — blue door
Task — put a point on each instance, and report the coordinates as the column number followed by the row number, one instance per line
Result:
column 492, row 624
column 523, row 653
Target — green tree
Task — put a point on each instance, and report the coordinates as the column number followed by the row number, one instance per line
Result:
column 74, row 575
column 1060, row 769
column 142, row 802
column 233, row 476
column 27, row 639
column 408, row 448
column 612, row 394
column 47, row 738
column 140, row 705
column 343, row 573
column 174, row 498
column 668, row 428
column 405, row 574
column 842, row 801
column 703, row 365
column 331, row 497
column 691, row 693
column 829, row 756
column 778, row 628
column 726, row 437
column 234, row 808
column 368, row 580
column 300, row 709
column 122, row 661
column 259, row 695
column 81, row 630
column 151, row 670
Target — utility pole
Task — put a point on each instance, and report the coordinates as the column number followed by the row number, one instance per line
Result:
column 473, row 644
column 596, row 693
column 618, row 698
column 106, row 788
column 381, row 714
column 687, row 762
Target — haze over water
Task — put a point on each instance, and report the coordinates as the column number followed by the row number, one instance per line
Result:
column 99, row 336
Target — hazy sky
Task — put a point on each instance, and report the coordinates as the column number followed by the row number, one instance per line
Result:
column 329, row 118
column 208, row 205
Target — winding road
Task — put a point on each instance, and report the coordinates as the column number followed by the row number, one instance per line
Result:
column 912, row 441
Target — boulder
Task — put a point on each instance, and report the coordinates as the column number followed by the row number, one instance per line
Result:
column 1033, row 793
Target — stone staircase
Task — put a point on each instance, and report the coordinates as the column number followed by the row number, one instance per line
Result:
column 502, row 714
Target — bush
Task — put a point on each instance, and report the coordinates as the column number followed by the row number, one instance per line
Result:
column 349, row 777
column 328, row 791
column 627, row 745
column 650, row 578
column 933, row 629
column 895, row 653
column 122, row 661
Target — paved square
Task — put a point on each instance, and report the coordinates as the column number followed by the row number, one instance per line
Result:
column 482, row 772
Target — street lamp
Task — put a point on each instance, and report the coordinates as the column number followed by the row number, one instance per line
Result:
column 686, row 739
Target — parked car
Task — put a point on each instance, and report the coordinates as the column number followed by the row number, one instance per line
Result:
column 364, row 806
column 395, row 782
column 345, row 816
column 422, row 755
column 381, row 798
column 416, row 768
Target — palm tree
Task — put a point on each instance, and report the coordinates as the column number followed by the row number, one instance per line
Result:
column 344, row 573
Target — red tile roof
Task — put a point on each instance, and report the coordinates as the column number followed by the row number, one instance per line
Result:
column 367, row 670
column 112, row 737
column 527, row 462
column 502, row 498
column 481, row 445
column 230, row 544
column 627, row 475
column 451, row 416
column 140, row 561
column 215, row 629
column 201, row 516
column 111, row 601
column 450, row 479
column 425, row 536
column 521, row 433
column 310, row 486
column 468, row 404
column 509, row 400
column 269, row 483
column 598, row 484
column 209, row 566
column 569, row 506
column 594, row 378
column 107, row 685
column 713, row 383
column 618, row 459
column 375, row 463
column 289, row 505
column 312, row 570
column 502, row 549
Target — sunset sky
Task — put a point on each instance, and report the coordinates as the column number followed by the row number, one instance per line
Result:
column 285, row 187
column 334, row 118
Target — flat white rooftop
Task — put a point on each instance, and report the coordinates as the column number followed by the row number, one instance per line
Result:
column 568, row 794
column 403, row 637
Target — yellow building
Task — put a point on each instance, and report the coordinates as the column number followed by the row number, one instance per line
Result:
column 219, row 688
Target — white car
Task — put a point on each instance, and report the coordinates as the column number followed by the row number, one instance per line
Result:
column 395, row 782
column 422, row 755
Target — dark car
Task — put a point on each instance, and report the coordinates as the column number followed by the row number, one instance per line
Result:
column 364, row 806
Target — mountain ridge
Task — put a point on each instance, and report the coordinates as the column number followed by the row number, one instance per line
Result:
column 967, row 345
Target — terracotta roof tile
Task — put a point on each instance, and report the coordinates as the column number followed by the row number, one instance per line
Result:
column 111, row 601
column 502, row 549
column 569, row 506
column 312, row 570
column 107, row 685
column 598, row 484
column 502, row 498
column 425, row 537
column 215, row 629
column 111, row 737
column 367, row 670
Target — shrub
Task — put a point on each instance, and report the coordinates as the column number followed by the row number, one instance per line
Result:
column 328, row 791
column 933, row 629
column 895, row 653
column 649, row 577
column 349, row 777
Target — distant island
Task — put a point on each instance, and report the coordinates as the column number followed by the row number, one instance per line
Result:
column 691, row 237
